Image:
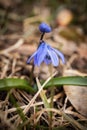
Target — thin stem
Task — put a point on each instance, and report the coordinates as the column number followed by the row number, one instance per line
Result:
column 41, row 38
column 31, row 76
column 51, row 106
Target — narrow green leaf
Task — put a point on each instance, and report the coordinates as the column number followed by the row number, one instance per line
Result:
column 9, row 83
column 70, row 80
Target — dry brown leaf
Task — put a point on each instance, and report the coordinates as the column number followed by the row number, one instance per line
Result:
column 77, row 95
column 82, row 50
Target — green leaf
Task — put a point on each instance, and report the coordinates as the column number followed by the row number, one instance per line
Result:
column 9, row 83
column 70, row 80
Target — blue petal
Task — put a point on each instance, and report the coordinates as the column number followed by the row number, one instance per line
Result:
column 54, row 57
column 29, row 59
column 41, row 53
column 43, row 27
column 47, row 59
column 36, row 60
column 60, row 55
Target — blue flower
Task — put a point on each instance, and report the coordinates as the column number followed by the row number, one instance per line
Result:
column 43, row 27
column 45, row 53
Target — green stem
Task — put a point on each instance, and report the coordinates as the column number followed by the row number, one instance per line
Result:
column 51, row 101
column 45, row 101
column 51, row 106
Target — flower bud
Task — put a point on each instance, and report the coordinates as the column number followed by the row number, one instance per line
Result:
column 43, row 27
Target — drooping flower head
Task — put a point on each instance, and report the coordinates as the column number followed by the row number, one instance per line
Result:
column 45, row 53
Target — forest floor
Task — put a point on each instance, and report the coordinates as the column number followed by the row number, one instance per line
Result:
column 19, row 38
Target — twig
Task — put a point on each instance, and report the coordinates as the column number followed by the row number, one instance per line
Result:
column 15, row 46
column 36, row 104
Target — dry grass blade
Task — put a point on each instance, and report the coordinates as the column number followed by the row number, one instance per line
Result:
column 7, row 122
column 42, row 94
column 74, row 122
column 15, row 46
column 74, row 114
column 56, row 97
column 36, row 95
column 33, row 100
